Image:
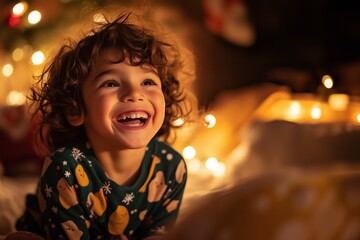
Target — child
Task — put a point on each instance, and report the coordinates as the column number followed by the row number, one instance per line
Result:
column 104, row 102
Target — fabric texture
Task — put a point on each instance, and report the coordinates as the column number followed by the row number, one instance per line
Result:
column 77, row 200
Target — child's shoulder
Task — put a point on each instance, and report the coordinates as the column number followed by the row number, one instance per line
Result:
column 70, row 152
column 164, row 150
column 171, row 162
column 169, row 158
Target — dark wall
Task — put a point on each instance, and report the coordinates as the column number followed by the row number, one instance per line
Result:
column 312, row 37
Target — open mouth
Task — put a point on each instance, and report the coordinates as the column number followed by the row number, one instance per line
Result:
column 133, row 119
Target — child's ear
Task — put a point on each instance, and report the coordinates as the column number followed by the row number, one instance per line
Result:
column 75, row 119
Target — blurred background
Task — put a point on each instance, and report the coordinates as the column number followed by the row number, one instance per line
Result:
column 236, row 43
column 278, row 89
column 296, row 62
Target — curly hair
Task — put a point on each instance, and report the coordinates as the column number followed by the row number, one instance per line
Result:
column 58, row 90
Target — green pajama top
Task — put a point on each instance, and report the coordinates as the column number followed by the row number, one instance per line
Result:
column 78, row 201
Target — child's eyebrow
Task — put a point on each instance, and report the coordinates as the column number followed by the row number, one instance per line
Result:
column 103, row 73
column 150, row 70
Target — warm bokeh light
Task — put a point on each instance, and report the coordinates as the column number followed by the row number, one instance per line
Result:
column 98, row 18
column 189, row 152
column 309, row 108
column 211, row 163
column 19, row 8
column 210, row 120
column 220, row 170
column 327, row 81
column 7, row 70
column 16, row 98
column 17, row 54
column 37, row 58
column 178, row 122
column 34, row 17
column 294, row 110
column 194, row 165
column 315, row 112
column 339, row 102
column 14, row 21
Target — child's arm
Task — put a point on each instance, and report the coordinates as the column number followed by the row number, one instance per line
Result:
column 164, row 215
column 63, row 216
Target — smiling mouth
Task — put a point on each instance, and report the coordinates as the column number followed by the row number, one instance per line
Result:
column 133, row 119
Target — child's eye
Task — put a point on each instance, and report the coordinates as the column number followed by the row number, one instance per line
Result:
column 149, row 82
column 109, row 83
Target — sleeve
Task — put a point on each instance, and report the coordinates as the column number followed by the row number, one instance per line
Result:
column 165, row 212
column 58, row 196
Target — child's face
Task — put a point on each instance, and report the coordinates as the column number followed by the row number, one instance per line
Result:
column 125, row 105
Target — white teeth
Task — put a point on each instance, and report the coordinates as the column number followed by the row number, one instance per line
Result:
column 133, row 116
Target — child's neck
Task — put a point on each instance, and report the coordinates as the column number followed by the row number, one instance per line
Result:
column 123, row 167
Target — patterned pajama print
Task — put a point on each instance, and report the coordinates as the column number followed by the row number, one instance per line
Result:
column 78, row 201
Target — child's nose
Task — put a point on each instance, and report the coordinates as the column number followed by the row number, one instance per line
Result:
column 131, row 94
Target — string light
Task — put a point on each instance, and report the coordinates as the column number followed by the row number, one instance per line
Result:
column 220, row 170
column 19, row 9
column 7, row 70
column 189, row 152
column 210, row 120
column 14, row 21
column 16, row 98
column 178, row 122
column 294, row 110
column 98, row 18
column 315, row 112
column 327, row 81
column 37, row 58
column 339, row 102
column 211, row 163
column 17, row 54
column 34, row 17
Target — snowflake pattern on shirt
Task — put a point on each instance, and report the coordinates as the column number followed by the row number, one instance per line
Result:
column 81, row 202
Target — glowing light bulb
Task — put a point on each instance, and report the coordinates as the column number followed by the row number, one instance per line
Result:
column 17, row 54
column 7, row 70
column 294, row 110
column 37, row 58
column 220, row 170
column 34, row 17
column 98, row 18
column 14, row 21
column 16, row 98
column 358, row 117
column 327, row 81
column 210, row 120
column 339, row 102
column 19, row 9
column 315, row 112
column 211, row 163
column 189, row 152
column 295, row 107
column 178, row 122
